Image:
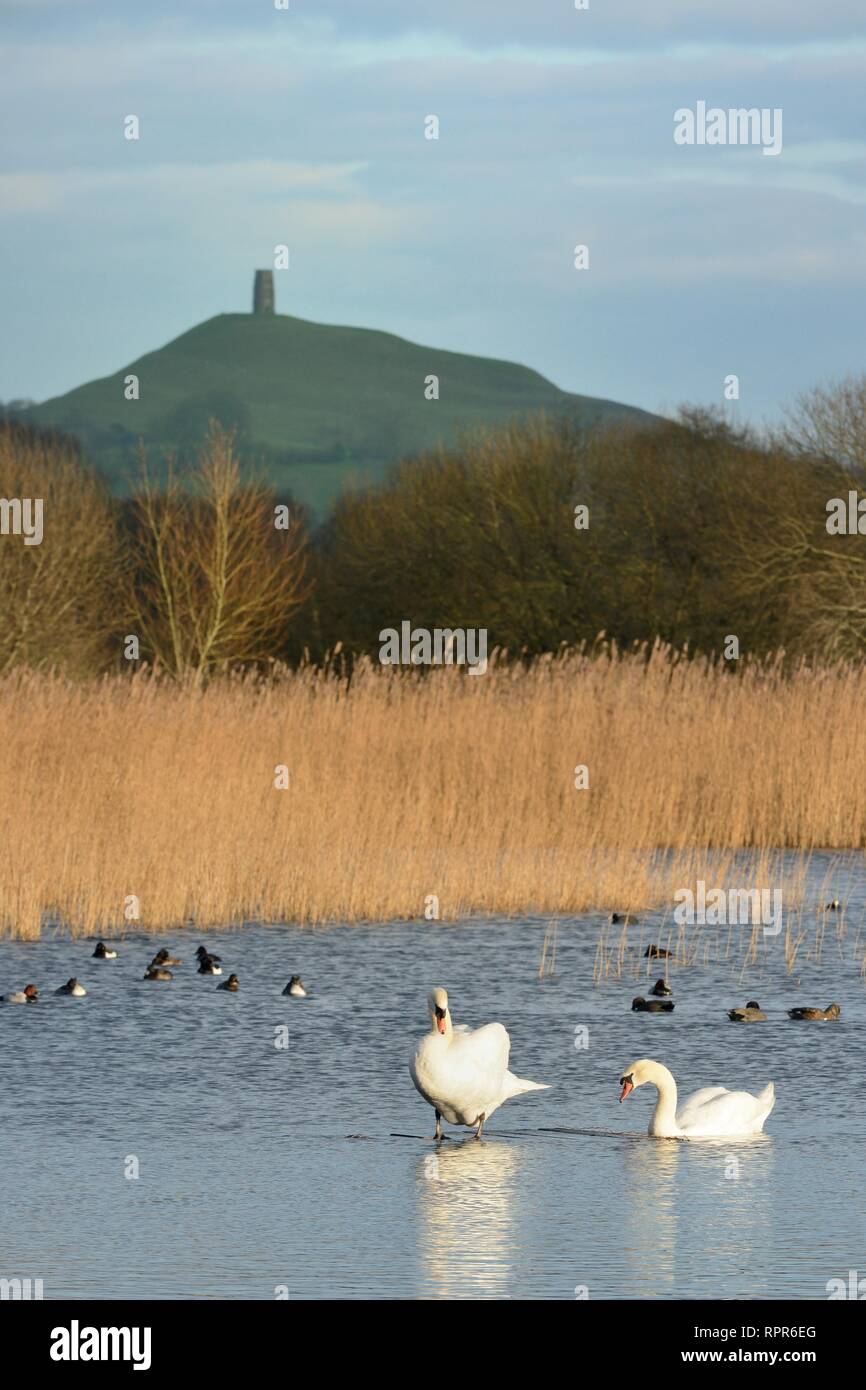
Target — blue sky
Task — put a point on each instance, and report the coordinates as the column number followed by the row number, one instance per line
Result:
column 306, row 127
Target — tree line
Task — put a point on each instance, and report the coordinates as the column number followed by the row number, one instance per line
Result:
column 693, row 531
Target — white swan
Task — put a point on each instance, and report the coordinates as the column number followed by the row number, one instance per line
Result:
column 464, row 1074
column 709, row 1112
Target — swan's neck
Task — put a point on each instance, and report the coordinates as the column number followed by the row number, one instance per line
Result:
column 663, row 1124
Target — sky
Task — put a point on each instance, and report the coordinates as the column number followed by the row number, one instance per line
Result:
column 305, row 127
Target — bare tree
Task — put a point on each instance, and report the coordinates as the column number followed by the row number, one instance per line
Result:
column 217, row 577
column 830, row 422
column 58, row 592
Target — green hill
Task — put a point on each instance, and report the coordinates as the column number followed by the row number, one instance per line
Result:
column 318, row 407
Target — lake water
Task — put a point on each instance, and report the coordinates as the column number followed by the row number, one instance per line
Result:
column 312, row 1167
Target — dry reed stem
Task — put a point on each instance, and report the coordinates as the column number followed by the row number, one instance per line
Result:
column 400, row 787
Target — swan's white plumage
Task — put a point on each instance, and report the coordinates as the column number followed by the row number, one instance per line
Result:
column 711, row 1112
column 717, row 1111
column 463, row 1073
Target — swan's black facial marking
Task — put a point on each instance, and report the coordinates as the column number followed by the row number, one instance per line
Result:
column 440, row 1013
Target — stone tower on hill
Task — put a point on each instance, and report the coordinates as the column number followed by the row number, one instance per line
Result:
column 263, row 292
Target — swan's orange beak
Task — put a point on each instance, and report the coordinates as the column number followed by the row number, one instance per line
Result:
column 440, row 1023
column 627, row 1085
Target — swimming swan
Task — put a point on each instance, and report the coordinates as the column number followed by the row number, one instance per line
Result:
column 464, row 1074
column 709, row 1112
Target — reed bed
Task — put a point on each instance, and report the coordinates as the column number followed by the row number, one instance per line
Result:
column 404, row 787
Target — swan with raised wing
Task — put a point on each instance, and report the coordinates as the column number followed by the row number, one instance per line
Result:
column 710, row 1112
column 462, row 1073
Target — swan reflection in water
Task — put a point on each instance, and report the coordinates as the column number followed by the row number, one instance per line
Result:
column 725, row 1187
column 466, row 1234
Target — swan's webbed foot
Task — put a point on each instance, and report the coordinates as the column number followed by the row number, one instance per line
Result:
column 438, row 1135
column 480, row 1126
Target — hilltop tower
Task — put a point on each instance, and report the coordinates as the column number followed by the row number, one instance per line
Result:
column 263, row 292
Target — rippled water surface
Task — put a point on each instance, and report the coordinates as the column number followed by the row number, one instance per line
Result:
column 312, row 1166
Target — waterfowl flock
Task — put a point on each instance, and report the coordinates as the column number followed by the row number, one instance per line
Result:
column 158, row 969
column 464, row 1075
column 751, row 1013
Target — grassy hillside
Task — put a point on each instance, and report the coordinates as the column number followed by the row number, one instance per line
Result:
column 317, row 406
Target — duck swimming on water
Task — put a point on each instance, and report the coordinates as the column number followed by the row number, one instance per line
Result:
column 817, row 1015
column 752, row 1013
column 72, row 987
column 652, row 1006
column 28, row 995
column 163, row 958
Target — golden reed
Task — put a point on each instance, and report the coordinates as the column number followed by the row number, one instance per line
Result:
column 401, row 787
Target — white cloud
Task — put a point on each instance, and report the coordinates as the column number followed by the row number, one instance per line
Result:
column 182, row 184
